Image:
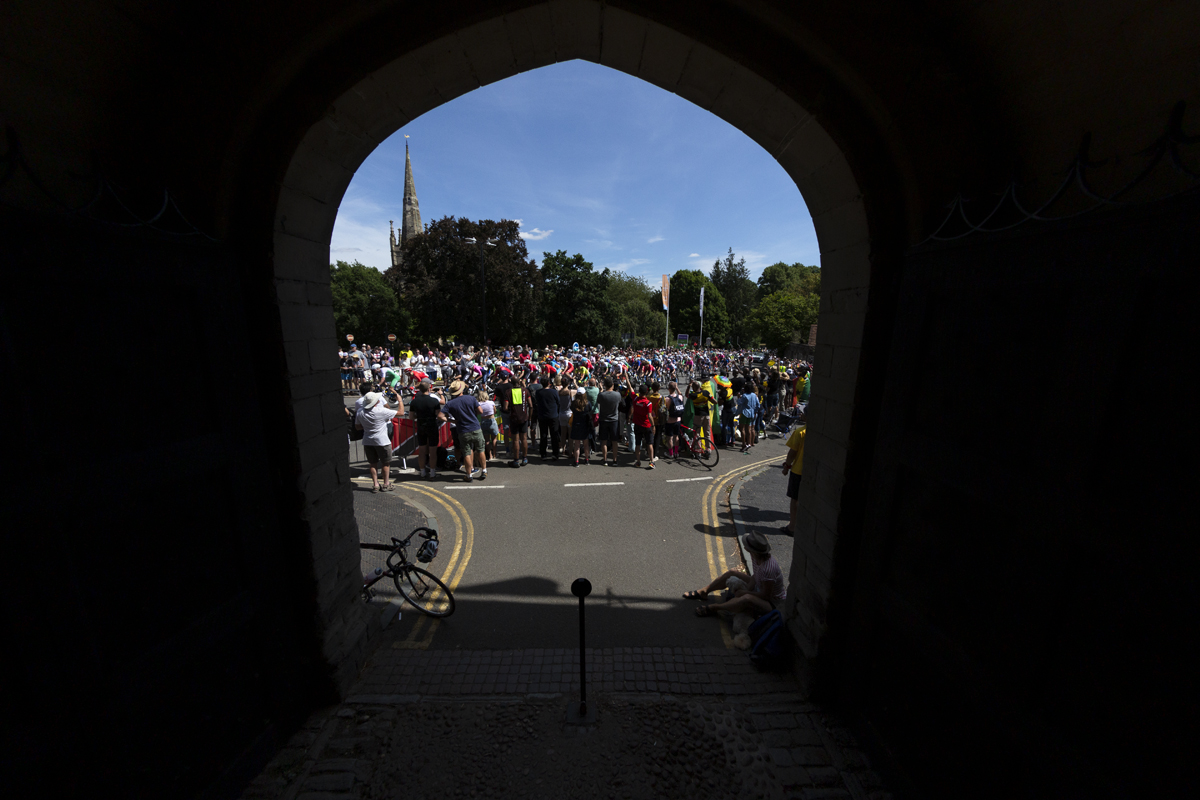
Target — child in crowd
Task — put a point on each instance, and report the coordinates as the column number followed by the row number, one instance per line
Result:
column 642, row 417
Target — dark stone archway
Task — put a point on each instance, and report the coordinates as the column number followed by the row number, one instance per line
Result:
column 389, row 97
column 1000, row 542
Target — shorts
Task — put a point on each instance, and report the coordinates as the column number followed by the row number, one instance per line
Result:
column 609, row 432
column 645, row 436
column 580, row 429
column 515, row 427
column 488, row 424
column 772, row 400
column 793, row 490
column 472, row 442
column 671, row 429
column 427, row 434
column 378, row 455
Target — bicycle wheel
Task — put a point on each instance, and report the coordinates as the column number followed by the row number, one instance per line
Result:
column 425, row 591
column 710, row 455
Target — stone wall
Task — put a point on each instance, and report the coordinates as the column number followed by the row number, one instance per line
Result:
column 797, row 350
column 1029, row 543
column 159, row 617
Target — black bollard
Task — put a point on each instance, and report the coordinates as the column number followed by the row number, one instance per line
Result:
column 578, row 714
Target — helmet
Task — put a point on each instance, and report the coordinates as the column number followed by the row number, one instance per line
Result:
column 427, row 551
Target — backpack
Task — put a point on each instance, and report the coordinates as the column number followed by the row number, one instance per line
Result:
column 767, row 651
column 356, row 435
column 677, row 405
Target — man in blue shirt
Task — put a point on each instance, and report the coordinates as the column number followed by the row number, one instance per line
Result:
column 747, row 407
column 464, row 410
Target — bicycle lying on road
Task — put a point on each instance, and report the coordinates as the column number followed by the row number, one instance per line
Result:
column 708, row 455
column 418, row 586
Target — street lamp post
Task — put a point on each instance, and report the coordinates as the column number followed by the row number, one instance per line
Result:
column 482, row 278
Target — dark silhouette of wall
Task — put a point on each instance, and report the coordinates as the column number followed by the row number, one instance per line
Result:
column 1027, row 554
column 1009, row 529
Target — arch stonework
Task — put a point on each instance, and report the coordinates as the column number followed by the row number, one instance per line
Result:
column 360, row 119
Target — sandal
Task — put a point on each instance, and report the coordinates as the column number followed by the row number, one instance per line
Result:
column 699, row 594
column 705, row 611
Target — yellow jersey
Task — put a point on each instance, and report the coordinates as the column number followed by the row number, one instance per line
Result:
column 795, row 443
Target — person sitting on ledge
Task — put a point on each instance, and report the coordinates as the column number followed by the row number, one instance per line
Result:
column 767, row 588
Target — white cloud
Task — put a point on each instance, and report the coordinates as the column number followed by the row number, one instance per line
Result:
column 755, row 261
column 694, row 255
column 536, row 235
column 361, row 230
column 654, row 239
column 624, row 266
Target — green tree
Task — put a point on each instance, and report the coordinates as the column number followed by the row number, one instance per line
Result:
column 781, row 277
column 781, row 314
column 638, row 309
column 732, row 279
column 685, row 306
column 365, row 305
column 440, row 283
column 575, row 304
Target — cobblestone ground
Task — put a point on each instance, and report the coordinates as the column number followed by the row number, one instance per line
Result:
column 760, row 739
column 394, row 672
column 642, row 746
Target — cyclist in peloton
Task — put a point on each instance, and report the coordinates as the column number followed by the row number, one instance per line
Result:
column 702, row 401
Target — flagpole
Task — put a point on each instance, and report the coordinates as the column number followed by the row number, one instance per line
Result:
column 666, row 285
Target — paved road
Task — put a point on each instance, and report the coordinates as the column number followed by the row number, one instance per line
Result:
column 513, row 544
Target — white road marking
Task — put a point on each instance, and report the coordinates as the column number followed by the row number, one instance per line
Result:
column 472, row 486
column 613, row 483
column 685, row 480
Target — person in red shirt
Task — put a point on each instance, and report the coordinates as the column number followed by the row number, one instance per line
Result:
column 642, row 416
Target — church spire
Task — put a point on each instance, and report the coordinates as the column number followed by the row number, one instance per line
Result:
column 410, row 224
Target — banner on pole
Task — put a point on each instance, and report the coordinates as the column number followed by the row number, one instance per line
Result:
column 702, row 301
column 666, row 293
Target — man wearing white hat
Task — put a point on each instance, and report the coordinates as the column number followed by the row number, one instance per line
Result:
column 374, row 418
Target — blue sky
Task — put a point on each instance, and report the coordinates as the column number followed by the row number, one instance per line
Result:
column 591, row 161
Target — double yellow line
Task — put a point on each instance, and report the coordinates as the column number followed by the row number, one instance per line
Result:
column 709, row 515
column 422, row 632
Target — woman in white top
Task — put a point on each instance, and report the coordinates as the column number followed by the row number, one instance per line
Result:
column 487, row 423
column 566, row 393
column 767, row 589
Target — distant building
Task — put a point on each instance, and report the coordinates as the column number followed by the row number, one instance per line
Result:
column 410, row 221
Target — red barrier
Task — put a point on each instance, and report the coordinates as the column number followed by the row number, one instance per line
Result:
column 404, row 436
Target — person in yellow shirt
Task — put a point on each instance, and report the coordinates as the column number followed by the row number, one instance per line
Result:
column 792, row 464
